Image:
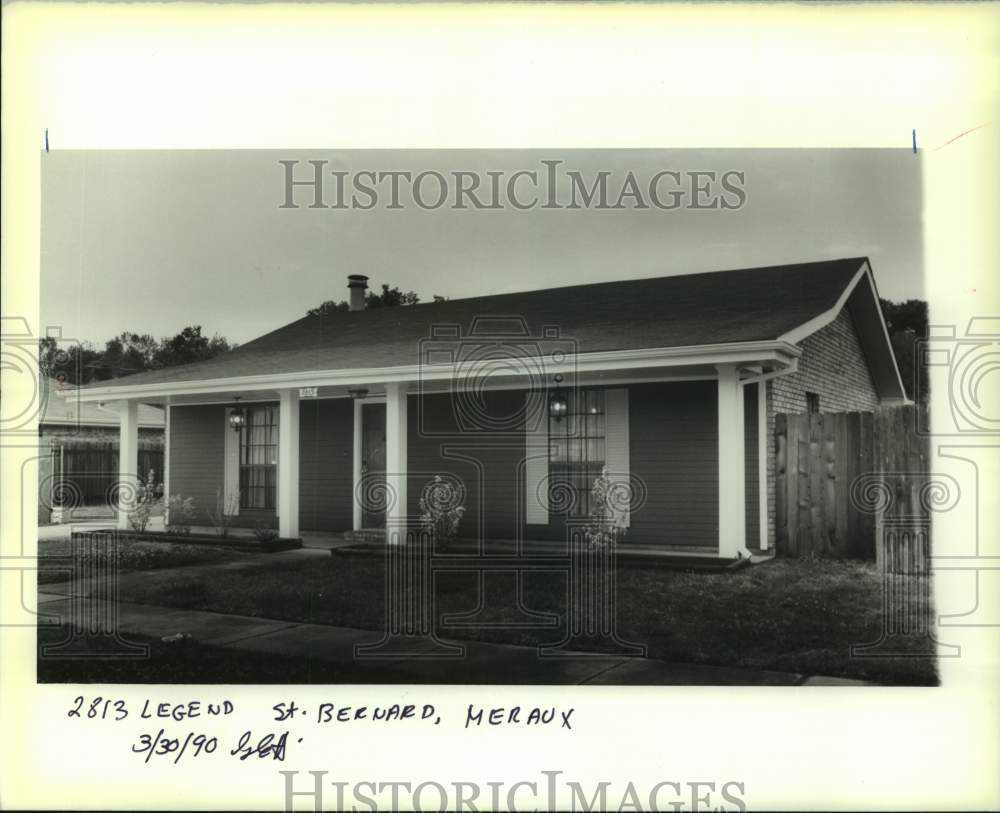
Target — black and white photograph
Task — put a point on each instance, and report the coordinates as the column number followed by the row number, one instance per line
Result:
column 499, row 406
column 624, row 417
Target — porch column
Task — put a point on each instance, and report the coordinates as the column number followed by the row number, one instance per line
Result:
column 128, row 459
column 732, row 485
column 395, row 463
column 288, row 463
column 762, row 457
column 356, row 490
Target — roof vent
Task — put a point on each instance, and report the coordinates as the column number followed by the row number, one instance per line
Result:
column 357, row 284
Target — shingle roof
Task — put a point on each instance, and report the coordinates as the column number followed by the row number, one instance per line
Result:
column 720, row 307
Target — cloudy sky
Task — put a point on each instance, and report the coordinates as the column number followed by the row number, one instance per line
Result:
column 153, row 241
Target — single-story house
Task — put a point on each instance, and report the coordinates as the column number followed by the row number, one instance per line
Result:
column 339, row 421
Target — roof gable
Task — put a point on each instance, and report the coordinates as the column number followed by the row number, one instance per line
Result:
column 860, row 297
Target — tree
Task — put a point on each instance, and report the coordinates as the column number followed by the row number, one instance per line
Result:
column 129, row 353
column 907, row 324
column 73, row 364
column 125, row 354
column 189, row 346
column 386, row 298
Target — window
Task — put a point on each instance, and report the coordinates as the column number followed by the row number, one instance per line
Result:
column 259, row 458
column 576, row 452
column 812, row 402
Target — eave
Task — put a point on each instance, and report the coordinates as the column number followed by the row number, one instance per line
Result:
column 777, row 354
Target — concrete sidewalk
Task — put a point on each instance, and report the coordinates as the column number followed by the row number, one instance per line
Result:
column 417, row 660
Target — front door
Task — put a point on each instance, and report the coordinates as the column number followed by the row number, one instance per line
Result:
column 373, row 502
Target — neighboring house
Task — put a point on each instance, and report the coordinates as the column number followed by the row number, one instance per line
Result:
column 672, row 383
column 78, row 445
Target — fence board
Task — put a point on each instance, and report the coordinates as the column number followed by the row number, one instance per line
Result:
column 781, row 477
column 820, row 456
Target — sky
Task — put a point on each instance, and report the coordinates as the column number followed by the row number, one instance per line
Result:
column 153, row 241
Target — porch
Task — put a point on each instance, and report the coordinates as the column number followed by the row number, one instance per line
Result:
column 356, row 456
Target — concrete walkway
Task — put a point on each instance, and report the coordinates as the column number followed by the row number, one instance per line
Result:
column 417, row 660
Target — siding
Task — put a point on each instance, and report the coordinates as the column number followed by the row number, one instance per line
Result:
column 832, row 365
column 197, row 455
column 674, row 450
column 487, row 464
column 326, row 464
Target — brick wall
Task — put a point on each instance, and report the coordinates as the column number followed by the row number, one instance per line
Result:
column 833, row 366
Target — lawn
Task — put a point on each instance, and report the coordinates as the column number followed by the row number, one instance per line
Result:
column 797, row 616
column 54, row 557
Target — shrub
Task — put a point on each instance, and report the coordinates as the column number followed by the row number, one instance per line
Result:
column 180, row 513
column 265, row 534
column 148, row 494
column 441, row 508
column 606, row 521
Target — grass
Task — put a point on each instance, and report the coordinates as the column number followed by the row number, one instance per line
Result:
column 133, row 555
column 788, row 615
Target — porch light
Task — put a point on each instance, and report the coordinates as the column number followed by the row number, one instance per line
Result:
column 558, row 405
column 237, row 417
column 357, row 394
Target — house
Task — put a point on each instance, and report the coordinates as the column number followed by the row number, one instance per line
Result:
column 78, row 449
column 521, row 399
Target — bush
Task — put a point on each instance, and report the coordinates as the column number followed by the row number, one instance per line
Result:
column 441, row 508
column 148, row 495
column 265, row 534
column 180, row 513
column 606, row 522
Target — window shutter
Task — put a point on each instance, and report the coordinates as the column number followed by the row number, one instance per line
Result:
column 536, row 467
column 231, row 482
column 616, row 441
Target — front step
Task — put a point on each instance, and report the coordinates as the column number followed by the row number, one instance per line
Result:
column 365, row 535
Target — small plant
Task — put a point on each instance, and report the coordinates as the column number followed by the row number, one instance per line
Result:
column 441, row 508
column 226, row 506
column 181, row 513
column 148, row 494
column 606, row 521
column 264, row 534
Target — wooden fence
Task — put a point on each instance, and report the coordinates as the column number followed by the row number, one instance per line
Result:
column 842, row 478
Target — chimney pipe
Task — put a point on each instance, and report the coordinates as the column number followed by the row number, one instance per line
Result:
column 357, row 284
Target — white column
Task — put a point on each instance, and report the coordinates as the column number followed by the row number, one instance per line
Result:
column 288, row 463
column 166, row 466
column 128, row 459
column 395, row 462
column 762, row 457
column 356, row 479
column 732, row 487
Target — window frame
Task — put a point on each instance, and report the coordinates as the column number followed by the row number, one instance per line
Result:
column 576, row 427
column 262, row 495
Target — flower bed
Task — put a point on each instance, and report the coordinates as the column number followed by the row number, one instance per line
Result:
column 241, row 543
